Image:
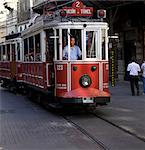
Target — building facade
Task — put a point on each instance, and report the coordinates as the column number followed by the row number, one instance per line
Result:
column 2, row 31
column 11, row 16
column 24, row 14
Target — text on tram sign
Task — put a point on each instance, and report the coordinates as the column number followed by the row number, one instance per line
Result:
column 78, row 9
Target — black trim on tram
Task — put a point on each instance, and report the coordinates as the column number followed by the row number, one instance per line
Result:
column 96, row 100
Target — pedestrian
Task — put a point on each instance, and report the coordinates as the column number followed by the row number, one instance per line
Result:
column 143, row 76
column 133, row 68
column 75, row 52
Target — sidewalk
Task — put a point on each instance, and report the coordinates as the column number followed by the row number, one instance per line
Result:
column 123, row 87
column 125, row 110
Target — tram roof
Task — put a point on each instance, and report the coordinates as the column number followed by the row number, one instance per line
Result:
column 42, row 23
column 98, row 4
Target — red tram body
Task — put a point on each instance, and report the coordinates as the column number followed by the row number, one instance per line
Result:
column 35, row 61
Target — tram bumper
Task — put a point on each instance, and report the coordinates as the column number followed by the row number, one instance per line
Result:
column 86, row 96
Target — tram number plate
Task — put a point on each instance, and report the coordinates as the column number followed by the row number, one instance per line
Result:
column 88, row 100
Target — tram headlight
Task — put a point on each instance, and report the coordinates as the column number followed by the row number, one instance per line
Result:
column 85, row 81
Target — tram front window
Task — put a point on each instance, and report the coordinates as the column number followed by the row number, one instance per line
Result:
column 91, row 44
column 75, row 43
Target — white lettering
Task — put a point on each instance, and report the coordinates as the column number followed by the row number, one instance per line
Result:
column 70, row 11
column 86, row 11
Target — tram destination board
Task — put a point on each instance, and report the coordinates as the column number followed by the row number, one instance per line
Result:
column 78, row 9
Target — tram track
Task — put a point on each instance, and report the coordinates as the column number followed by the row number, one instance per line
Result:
column 82, row 130
column 119, row 127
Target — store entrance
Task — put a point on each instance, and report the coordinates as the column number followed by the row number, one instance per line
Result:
column 129, row 52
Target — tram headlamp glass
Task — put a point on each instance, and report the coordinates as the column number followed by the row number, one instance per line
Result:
column 85, row 81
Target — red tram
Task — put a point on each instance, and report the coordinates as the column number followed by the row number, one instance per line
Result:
column 35, row 61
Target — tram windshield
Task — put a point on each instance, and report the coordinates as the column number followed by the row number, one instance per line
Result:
column 91, row 44
column 71, row 39
column 79, row 44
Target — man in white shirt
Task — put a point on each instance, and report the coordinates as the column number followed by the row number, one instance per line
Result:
column 133, row 68
column 143, row 76
column 75, row 52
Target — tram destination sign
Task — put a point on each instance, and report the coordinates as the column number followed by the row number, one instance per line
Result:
column 78, row 9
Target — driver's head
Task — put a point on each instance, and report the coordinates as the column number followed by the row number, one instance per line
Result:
column 72, row 41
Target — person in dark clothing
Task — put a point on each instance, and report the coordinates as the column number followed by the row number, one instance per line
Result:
column 133, row 68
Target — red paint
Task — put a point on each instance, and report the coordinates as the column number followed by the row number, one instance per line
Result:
column 85, row 92
column 61, row 79
column 106, row 76
column 84, row 69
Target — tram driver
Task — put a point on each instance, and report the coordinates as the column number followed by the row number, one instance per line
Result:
column 75, row 52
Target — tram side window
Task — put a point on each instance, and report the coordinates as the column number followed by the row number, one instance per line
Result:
column 37, row 48
column 49, row 45
column 26, row 57
column 31, row 49
column 91, row 45
column 103, row 44
column 13, row 52
column 4, row 57
column 18, row 51
column 8, row 51
column 0, row 53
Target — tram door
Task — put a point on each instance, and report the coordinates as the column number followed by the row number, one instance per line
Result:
column 13, row 62
column 50, row 56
